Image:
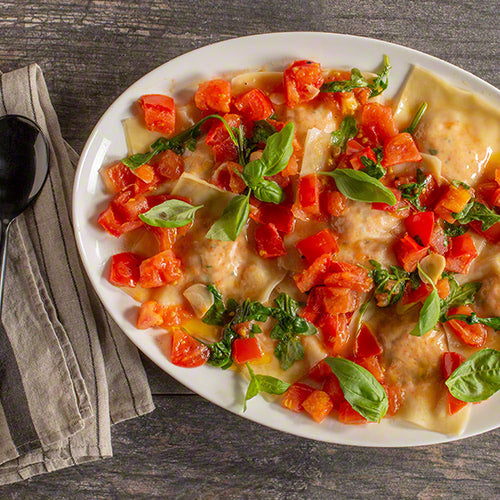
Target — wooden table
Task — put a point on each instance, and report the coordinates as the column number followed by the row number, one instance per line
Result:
column 90, row 52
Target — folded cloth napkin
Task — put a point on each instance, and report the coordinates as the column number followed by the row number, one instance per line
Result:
column 66, row 370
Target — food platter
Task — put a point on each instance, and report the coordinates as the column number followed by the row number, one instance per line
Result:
column 107, row 144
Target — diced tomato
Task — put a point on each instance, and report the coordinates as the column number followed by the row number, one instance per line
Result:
column 450, row 361
column 149, row 315
column 268, row 213
column 218, row 138
column 378, row 122
column 348, row 415
column 254, row 105
column 320, row 371
column 308, row 194
column 334, row 328
column 337, row 300
column 145, row 172
column 295, row 395
column 159, row 113
column 114, row 226
column 214, row 95
column 269, row 243
column 443, row 288
column 313, row 275
column 335, row 203
column 318, row 244
column 485, row 192
column 409, row 252
column 175, row 315
column 366, row 344
column 353, row 146
column 419, row 294
column 118, row 177
column 124, row 269
column 461, row 253
column 127, row 206
column 168, row 164
column 421, row 225
column 161, row 269
column 355, row 159
column 492, row 234
column 399, row 209
column 187, row 351
column 473, row 335
column 431, row 192
column 354, row 278
column 226, row 177
column 303, row 80
column 400, row 149
column 319, row 405
column 395, row 397
column 372, row 364
column 332, row 387
column 165, row 236
column 247, row 349
column 452, row 201
column 495, row 199
column 438, row 241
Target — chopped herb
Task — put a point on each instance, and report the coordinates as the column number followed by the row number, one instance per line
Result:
column 493, row 322
column 459, row 295
column 477, row 211
column 414, row 123
column 389, row 283
column 345, row 132
column 433, row 152
column 374, row 169
column 453, row 230
column 412, row 191
column 457, row 184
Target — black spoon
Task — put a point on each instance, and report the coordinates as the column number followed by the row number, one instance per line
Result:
column 24, row 165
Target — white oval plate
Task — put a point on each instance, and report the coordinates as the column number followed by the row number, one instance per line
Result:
column 107, row 143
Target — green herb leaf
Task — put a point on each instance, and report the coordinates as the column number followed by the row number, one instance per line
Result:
column 453, row 230
column 373, row 169
column 253, row 173
column 262, row 130
column 218, row 313
column 220, row 352
column 459, row 295
column 477, row 211
column 361, row 389
column 478, row 378
column 414, row 123
column 263, row 383
column 382, row 81
column 493, row 322
column 170, row 213
column 390, row 283
column 232, row 220
column 412, row 191
column 429, row 314
column 345, row 132
column 278, row 150
column 359, row 186
column 357, row 81
column 269, row 191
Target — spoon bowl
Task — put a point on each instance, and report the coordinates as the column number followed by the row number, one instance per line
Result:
column 24, row 165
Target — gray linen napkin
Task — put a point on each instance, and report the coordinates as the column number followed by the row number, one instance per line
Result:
column 66, row 370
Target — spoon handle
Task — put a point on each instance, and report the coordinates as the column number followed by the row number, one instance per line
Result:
column 4, row 236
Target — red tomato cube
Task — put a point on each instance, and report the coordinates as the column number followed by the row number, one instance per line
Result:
column 295, row 395
column 159, row 113
column 268, row 241
column 124, row 269
column 319, row 405
column 214, row 95
column 246, row 349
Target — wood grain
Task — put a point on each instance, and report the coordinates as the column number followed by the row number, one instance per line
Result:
column 90, row 51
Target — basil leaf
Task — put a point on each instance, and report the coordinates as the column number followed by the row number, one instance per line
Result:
column 480, row 212
column 493, row 322
column 220, row 352
column 359, row 186
column 361, row 389
column 263, row 383
column 412, row 191
column 269, row 191
column 253, row 173
column 278, row 150
column 232, row 220
column 345, row 132
column 459, row 295
column 414, row 123
column 382, row 81
column 373, row 169
column 250, row 310
column 478, row 378
column 216, row 315
column 288, row 350
column 429, row 314
column 170, row 213
column 357, row 81
column 262, row 130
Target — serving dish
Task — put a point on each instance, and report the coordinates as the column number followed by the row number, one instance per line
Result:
column 107, row 143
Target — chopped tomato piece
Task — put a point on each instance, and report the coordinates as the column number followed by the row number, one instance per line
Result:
column 308, row 194
column 303, row 80
column 318, row 244
column 400, row 208
column 295, row 395
column 492, row 234
column 355, row 159
column 218, row 138
column 443, row 288
column 150, row 315
column 378, row 122
column 127, row 206
column 450, row 361
column 124, row 269
column 395, row 397
column 320, row 371
column 438, row 241
column 354, row 278
column 431, row 192
column 461, row 253
column 313, row 275
column 337, row 300
column 165, row 236
column 366, row 344
column 334, row 328
column 452, row 201
column 214, row 95
column 409, row 252
column 495, row 199
column 247, row 349
column 161, row 269
column 419, row 294
column 421, row 225
column 175, row 315
column 372, row 364
column 335, row 203
column 319, row 405
column 269, row 243
column 226, row 177
column 145, row 172
column 268, row 213
column 348, row 415
column 254, row 105
column 115, row 226
column 159, row 113
column 118, row 177
column 332, row 387
column 400, row 149
column 485, row 192
column 168, row 164
column 187, row 351
column 473, row 335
